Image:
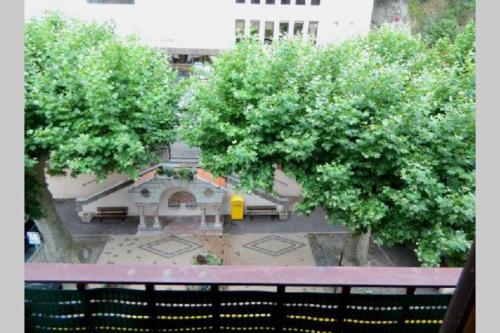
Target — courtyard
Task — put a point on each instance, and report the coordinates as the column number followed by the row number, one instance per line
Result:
column 261, row 241
column 250, row 249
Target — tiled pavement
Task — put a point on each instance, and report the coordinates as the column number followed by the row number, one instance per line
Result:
column 250, row 249
column 253, row 228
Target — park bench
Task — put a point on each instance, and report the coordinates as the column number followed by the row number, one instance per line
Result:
column 111, row 213
column 261, row 210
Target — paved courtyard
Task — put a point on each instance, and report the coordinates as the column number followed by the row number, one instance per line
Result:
column 115, row 242
column 250, row 249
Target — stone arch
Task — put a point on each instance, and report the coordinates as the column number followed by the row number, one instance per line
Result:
column 182, row 197
column 169, row 203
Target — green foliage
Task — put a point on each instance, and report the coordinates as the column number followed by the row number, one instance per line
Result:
column 32, row 190
column 436, row 19
column 443, row 27
column 380, row 131
column 207, row 259
column 94, row 103
column 186, row 173
column 165, row 171
column 177, row 173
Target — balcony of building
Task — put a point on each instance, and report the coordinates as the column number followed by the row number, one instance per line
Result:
column 156, row 298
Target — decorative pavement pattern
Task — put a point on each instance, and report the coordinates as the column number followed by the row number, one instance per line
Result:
column 290, row 249
column 248, row 249
column 273, row 245
column 170, row 247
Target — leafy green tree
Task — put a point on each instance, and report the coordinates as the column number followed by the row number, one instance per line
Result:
column 436, row 19
column 379, row 131
column 94, row 103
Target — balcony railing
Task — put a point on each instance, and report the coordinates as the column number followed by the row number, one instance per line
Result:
column 334, row 308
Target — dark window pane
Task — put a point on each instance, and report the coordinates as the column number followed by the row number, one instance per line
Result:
column 240, row 1
column 315, row 2
column 256, row 2
column 268, row 32
column 240, row 29
column 125, row 2
column 284, row 26
column 270, row 2
column 300, row 2
column 285, row 2
column 298, row 28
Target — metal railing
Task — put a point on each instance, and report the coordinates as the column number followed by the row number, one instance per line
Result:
column 218, row 309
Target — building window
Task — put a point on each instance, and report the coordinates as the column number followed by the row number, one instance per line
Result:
column 123, row 2
column 184, row 197
column 312, row 32
column 298, row 28
column 315, row 2
column 268, row 32
column 254, row 28
column 256, row 2
column 270, row 2
column 300, row 2
column 240, row 29
column 284, row 27
column 285, row 2
column 240, row 1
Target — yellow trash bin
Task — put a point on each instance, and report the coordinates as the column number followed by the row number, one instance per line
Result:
column 236, row 203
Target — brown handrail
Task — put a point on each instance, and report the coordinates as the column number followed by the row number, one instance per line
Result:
column 395, row 277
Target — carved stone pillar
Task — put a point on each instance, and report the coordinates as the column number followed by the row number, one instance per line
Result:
column 218, row 223
column 156, row 216
column 203, row 217
column 142, row 219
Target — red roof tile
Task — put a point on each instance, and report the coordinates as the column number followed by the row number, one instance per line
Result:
column 208, row 177
column 145, row 177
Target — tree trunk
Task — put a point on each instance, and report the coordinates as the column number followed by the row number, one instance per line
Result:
column 356, row 249
column 58, row 245
column 362, row 247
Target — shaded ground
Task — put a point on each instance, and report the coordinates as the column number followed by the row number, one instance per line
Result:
column 295, row 223
column 328, row 250
column 401, row 256
column 93, row 244
column 259, row 224
column 69, row 216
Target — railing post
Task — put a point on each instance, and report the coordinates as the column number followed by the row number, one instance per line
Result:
column 410, row 291
column 150, row 292
column 460, row 315
column 214, row 290
column 342, row 307
column 279, row 311
column 86, row 306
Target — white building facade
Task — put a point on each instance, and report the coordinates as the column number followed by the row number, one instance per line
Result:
column 204, row 27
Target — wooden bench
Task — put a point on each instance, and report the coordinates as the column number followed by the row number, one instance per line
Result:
column 111, row 213
column 261, row 210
